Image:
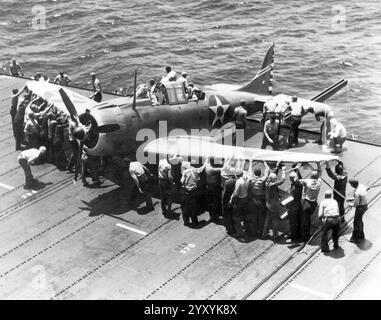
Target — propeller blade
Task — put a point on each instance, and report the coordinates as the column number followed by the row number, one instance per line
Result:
column 69, row 104
column 78, row 164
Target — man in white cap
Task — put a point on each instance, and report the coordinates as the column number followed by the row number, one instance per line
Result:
column 183, row 80
column 25, row 159
column 329, row 215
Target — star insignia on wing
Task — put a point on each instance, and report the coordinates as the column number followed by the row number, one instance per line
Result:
column 219, row 111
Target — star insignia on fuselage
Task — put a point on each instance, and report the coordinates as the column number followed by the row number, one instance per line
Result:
column 219, row 111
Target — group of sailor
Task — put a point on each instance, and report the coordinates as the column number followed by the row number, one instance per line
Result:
column 16, row 70
column 291, row 113
column 249, row 205
column 157, row 92
column 38, row 129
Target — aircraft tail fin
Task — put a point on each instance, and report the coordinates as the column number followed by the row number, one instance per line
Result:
column 330, row 91
column 262, row 82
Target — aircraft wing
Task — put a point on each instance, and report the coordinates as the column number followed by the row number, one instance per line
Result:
column 205, row 147
column 50, row 92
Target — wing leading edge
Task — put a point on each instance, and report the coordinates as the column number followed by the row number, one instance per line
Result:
column 196, row 147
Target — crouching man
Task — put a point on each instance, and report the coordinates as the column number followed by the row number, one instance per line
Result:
column 25, row 159
column 329, row 215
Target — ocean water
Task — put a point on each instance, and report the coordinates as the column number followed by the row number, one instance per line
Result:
column 316, row 44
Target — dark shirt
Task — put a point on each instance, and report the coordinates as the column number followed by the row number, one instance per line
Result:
column 296, row 190
column 20, row 114
column 273, row 202
column 340, row 184
column 229, row 187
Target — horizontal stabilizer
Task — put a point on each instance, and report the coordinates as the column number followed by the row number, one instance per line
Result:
column 329, row 92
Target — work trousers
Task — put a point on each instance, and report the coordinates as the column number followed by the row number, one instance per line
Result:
column 266, row 142
column 214, row 201
column 358, row 225
column 18, row 132
column 330, row 224
column 294, row 219
column 73, row 155
column 144, row 185
column 89, row 164
column 26, row 167
column 240, row 211
column 165, row 195
column 308, row 208
column 189, row 206
column 294, row 130
column 340, row 201
column 256, row 216
column 272, row 219
column 227, row 216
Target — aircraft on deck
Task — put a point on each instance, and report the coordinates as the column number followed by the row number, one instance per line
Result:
column 116, row 122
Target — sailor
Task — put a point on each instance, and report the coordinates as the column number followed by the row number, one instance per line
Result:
column 176, row 163
column 18, row 122
column 329, row 215
column 271, row 133
column 170, row 76
column 73, row 124
column 360, row 202
column 183, row 81
column 13, row 110
column 32, row 131
column 273, row 203
column 45, row 78
column 337, row 136
column 15, row 69
column 240, row 202
column 294, row 208
column 311, row 189
column 256, row 218
column 140, row 175
column 62, row 79
column 190, row 192
column 88, row 162
column 25, row 159
column 326, row 114
column 340, row 178
column 227, row 191
column 268, row 109
column 213, row 189
column 60, row 159
column 296, row 119
column 97, row 88
column 191, row 95
column 165, row 186
column 239, row 116
column 280, row 112
column 52, row 116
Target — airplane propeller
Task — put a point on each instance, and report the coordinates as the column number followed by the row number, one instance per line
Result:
column 78, row 131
